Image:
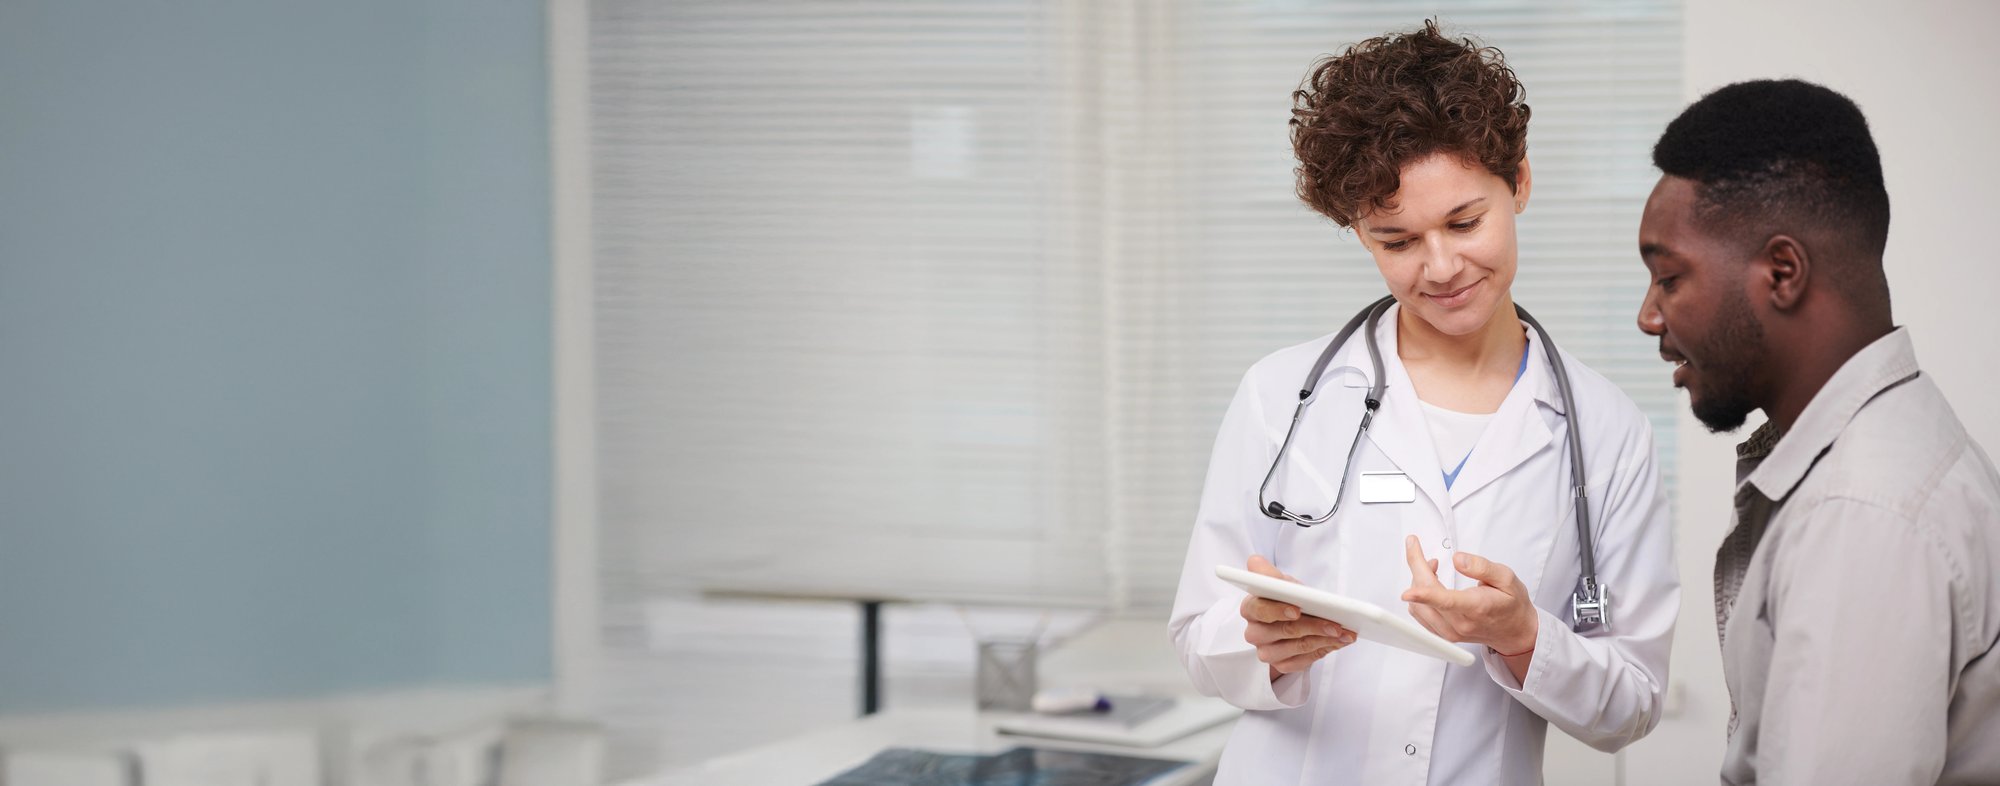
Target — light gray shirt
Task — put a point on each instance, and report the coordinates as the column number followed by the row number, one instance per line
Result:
column 1858, row 592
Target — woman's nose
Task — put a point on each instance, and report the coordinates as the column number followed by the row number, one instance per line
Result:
column 1441, row 263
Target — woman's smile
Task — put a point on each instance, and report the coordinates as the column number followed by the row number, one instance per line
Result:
column 1455, row 298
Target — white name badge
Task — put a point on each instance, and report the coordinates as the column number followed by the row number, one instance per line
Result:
column 1386, row 487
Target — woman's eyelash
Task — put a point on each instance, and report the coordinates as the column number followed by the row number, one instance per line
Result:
column 1463, row 226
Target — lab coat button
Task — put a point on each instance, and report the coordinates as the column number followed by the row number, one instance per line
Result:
column 1410, row 750
column 1447, row 543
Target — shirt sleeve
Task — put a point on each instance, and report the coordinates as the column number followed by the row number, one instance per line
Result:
column 1859, row 682
column 1606, row 688
column 1206, row 625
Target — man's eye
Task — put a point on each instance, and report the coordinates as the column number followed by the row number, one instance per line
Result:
column 1396, row 245
column 1665, row 284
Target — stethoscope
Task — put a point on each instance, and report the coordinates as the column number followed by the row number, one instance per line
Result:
column 1588, row 604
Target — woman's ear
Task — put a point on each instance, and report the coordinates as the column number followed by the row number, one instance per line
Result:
column 1524, row 182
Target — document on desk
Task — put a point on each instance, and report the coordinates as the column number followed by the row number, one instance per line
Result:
column 1016, row 767
column 1144, row 727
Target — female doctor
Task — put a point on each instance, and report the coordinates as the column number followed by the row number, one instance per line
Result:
column 1467, row 517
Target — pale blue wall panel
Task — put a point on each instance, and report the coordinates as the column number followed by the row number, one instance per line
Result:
column 274, row 349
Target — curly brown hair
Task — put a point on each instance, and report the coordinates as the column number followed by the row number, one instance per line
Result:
column 1362, row 116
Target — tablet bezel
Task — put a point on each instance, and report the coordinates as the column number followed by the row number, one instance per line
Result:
column 1368, row 621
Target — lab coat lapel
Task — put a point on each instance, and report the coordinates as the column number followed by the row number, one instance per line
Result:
column 1399, row 430
column 1517, row 431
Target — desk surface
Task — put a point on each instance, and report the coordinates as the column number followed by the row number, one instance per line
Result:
column 814, row 757
column 1115, row 656
column 807, row 575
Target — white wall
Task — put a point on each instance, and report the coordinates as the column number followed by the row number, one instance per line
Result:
column 1920, row 72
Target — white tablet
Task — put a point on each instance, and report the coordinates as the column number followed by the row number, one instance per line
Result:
column 1368, row 621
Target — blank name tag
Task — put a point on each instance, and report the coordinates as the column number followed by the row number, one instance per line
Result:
column 1386, row 487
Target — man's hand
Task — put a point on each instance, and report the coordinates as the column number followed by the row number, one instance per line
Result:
column 1497, row 613
column 1287, row 639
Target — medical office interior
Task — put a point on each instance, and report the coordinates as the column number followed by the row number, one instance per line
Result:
column 513, row 392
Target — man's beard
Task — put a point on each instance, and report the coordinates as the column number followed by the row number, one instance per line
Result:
column 1727, row 375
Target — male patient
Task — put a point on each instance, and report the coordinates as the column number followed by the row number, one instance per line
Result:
column 1856, row 593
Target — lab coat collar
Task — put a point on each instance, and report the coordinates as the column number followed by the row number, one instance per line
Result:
column 1400, row 431
column 1539, row 380
column 1350, row 366
column 1519, row 429
column 1890, row 361
column 1403, row 435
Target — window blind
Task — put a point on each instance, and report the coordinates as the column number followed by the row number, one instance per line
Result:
column 948, row 297
column 850, row 298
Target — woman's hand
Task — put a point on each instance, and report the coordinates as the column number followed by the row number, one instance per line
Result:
column 1497, row 613
column 1287, row 639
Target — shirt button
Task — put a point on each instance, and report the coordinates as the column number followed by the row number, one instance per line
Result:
column 1409, row 750
column 1447, row 543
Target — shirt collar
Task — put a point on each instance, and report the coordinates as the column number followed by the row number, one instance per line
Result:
column 1784, row 459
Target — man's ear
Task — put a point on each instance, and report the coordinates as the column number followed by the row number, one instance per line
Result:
column 1788, row 270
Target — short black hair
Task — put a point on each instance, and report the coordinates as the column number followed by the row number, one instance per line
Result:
column 1769, row 155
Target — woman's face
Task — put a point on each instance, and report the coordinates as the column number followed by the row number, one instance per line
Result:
column 1447, row 248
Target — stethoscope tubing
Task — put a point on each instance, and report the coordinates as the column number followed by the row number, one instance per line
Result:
column 1590, row 593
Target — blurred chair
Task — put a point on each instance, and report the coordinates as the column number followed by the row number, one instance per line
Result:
column 465, row 757
column 552, row 753
column 278, row 758
column 66, row 768
column 526, row 752
column 384, row 760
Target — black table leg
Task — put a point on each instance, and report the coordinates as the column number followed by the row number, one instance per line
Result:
column 871, row 656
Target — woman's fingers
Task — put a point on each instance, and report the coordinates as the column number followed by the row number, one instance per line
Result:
column 1305, row 659
column 1256, row 609
column 1298, row 664
column 1279, row 652
column 1269, row 633
column 1423, row 572
column 1263, row 567
column 1486, row 571
column 1302, row 662
column 1434, row 622
column 1274, row 647
column 1285, row 637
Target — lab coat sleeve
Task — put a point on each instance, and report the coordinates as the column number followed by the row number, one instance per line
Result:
column 1606, row 688
column 1206, row 625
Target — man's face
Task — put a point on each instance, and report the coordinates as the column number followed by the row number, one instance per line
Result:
column 1697, row 306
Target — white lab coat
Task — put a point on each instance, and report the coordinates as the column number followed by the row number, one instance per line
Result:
column 1371, row 714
